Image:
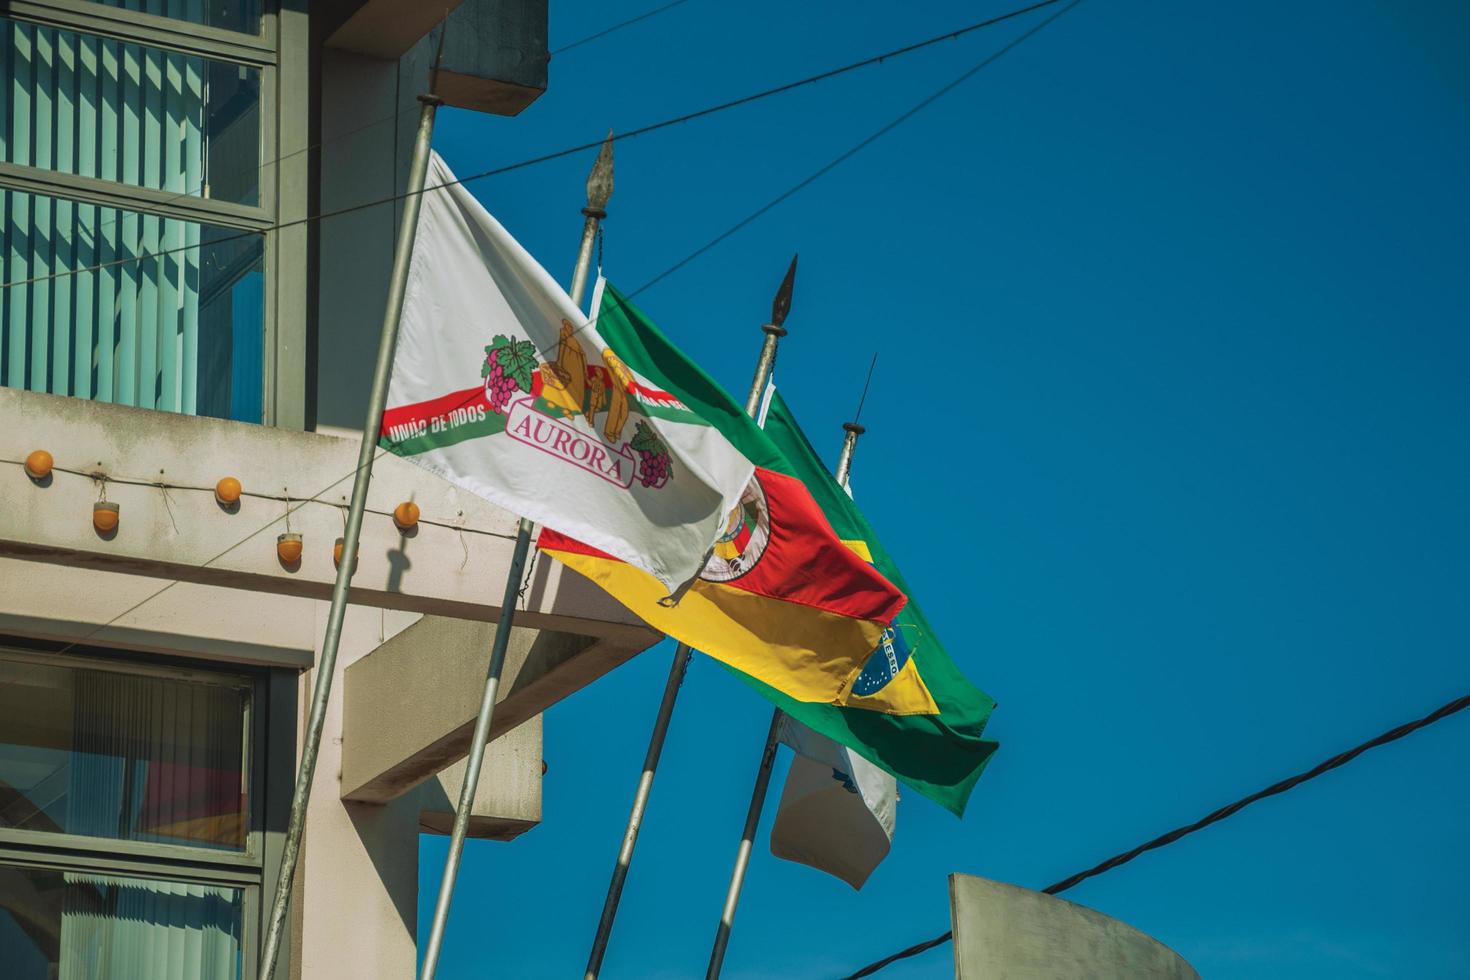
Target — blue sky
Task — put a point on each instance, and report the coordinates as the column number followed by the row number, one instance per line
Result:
column 1168, row 433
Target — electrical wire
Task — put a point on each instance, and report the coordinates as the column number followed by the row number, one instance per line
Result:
column 582, row 147
column 616, row 27
column 1163, row 840
column 862, row 144
column 586, row 146
column 393, row 117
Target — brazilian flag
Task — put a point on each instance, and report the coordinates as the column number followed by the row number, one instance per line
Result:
column 934, row 743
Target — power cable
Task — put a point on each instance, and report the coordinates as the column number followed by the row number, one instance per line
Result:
column 393, row 117
column 862, row 144
column 616, row 27
column 1341, row 759
column 579, row 148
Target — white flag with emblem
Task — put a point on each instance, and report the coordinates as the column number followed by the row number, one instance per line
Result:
column 837, row 810
column 502, row 386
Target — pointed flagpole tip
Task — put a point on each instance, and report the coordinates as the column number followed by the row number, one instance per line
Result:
column 781, row 305
column 600, row 180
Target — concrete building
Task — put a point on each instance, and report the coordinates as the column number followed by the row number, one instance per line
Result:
column 154, row 675
column 1002, row 932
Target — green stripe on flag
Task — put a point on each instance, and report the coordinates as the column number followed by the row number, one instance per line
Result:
column 639, row 342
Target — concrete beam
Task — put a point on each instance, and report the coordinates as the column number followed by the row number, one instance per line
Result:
column 410, row 705
column 451, row 565
column 495, row 51
column 130, row 612
column 1004, row 931
column 508, row 797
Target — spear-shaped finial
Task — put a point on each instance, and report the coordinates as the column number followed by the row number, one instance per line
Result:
column 781, row 305
column 600, row 180
column 774, row 331
column 599, row 190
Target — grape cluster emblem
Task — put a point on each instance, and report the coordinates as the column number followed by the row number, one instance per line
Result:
column 508, row 368
column 653, row 456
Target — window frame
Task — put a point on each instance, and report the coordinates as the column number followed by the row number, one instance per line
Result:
column 285, row 276
column 269, row 752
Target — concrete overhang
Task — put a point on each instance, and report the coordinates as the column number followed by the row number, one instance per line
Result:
column 495, row 51
column 416, row 682
column 508, row 798
column 452, row 565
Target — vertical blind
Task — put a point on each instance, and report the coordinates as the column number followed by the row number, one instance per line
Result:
column 128, row 929
column 80, row 925
column 157, row 759
column 124, row 755
column 156, row 326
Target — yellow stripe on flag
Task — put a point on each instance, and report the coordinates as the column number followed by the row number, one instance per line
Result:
column 860, row 548
column 770, row 639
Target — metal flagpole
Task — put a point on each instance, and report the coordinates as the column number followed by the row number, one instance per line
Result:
column 774, row 331
column 640, row 804
column 747, row 841
column 851, row 432
column 326, row 664
column 599, row 189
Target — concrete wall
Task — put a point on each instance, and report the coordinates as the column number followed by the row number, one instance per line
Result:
column 184, row 576
column 1002, row 932
column 357, row 886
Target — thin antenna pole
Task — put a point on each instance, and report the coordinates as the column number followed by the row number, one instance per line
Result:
column 327, row 663
column 599, row 190
column 857, row 416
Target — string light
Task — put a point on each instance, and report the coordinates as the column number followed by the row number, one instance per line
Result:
column 406, row 515
column 288, row 549
column 105, row 515
column 38, row 465
column 227, row 491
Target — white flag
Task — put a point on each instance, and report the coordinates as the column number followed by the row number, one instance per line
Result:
column 501, row 386
column 837, row 810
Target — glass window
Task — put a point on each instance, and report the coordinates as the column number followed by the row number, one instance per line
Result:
column 123, row 755
column 96, row 107
column 172, row 320
column 65, row 925
column 229, row 15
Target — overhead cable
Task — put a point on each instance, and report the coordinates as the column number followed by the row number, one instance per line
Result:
column 568, row 151
column 862, row 144
column 1275, row 789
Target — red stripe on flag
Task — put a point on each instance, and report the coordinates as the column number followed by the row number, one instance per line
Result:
column 402, row 422
column 803, row 562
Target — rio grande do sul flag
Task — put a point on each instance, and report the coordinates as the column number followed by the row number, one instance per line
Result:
column 941, row 754
column 781, row 598
column 501, row 387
